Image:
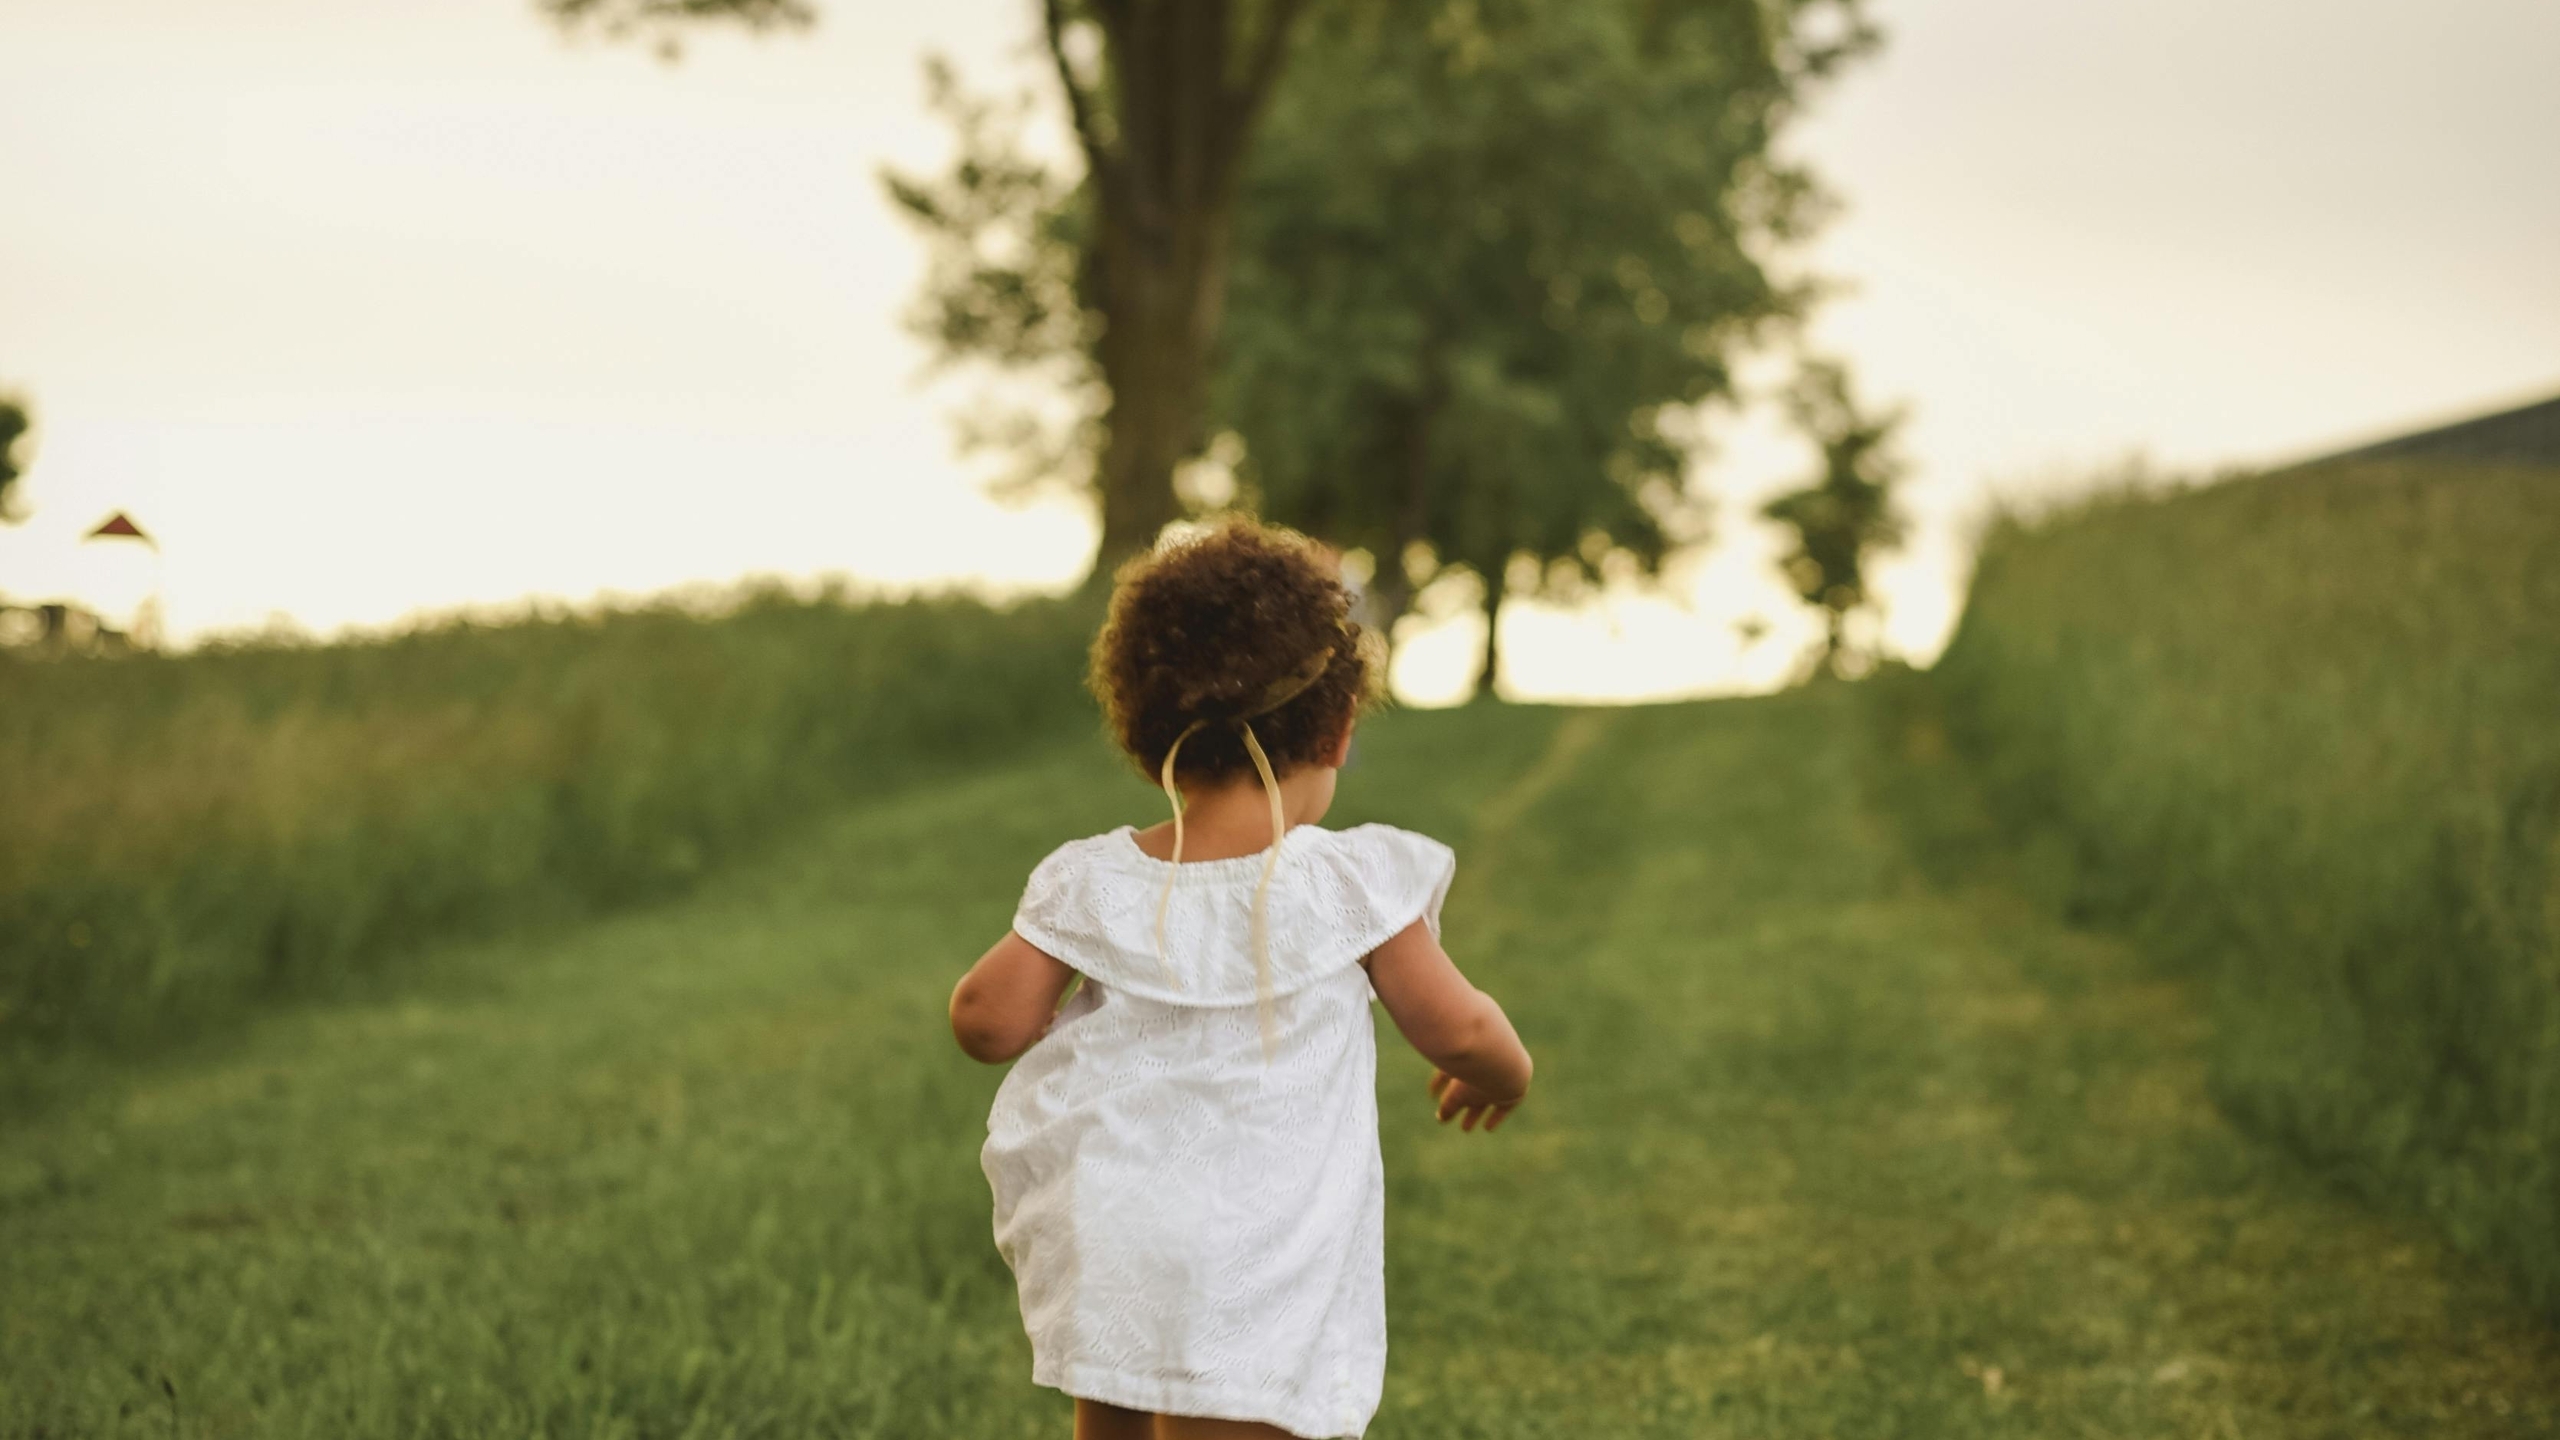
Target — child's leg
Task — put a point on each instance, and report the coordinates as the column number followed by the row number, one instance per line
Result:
column 1097, row 1421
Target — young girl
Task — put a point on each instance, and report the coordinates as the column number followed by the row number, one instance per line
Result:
column 1185, row 1160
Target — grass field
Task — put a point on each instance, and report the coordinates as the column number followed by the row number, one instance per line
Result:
column 1819, row 1149
column 2300, row 736
column 191, row 838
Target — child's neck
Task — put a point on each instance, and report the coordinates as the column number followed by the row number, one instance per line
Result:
column 1233, row 817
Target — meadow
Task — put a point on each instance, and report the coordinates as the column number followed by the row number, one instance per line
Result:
column 2300, row 735
column 2139, row 1025
column 192, row 837
column 1821, row 1147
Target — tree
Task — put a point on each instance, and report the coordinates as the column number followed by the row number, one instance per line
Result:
column 663, row 21
column 1164, row 96
column 1848, row 513
column 14, row 425
column 1493, row 256
column 1489, row 259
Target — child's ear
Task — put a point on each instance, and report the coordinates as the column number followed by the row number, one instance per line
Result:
column 1340, row 753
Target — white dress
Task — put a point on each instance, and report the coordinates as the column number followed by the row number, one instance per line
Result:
column 1194, row 1230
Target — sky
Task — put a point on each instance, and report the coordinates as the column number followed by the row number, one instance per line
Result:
column 366, row 309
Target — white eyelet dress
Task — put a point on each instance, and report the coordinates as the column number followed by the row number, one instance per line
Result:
column 1194, row 1229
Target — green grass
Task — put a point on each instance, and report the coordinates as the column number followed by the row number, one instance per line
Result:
column 2301, row 735
column 191, row 837
column 1820, row 1149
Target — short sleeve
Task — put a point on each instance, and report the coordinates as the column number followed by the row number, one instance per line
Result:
column 1391, row 878
column 1054, row 912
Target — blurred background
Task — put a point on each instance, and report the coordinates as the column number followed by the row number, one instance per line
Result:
column 2009, row 556
column 363, row 311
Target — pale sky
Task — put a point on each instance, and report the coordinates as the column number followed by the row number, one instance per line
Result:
column 366, row 308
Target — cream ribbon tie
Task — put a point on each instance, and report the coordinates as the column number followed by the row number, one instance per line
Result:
column 1286, row 690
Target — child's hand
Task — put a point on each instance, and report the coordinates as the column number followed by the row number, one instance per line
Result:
column 1458, row 1098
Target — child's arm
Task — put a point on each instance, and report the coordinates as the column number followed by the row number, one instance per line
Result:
column 1006, row 1001
column 1482, row 1069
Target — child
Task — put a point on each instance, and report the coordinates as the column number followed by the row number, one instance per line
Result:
column 1185, row 1160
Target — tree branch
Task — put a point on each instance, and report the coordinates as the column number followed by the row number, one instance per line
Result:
column 1079, row 100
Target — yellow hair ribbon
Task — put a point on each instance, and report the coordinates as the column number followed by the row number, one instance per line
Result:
column 1165, row 905
column 1286, row 689
column 1261, row 899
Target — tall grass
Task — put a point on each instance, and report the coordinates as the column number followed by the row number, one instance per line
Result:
column 2304, row 732
column 188, row 835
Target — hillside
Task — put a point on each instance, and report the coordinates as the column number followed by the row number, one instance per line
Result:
column 2296, row 734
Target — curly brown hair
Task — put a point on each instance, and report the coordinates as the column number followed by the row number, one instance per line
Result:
column 1212, row 627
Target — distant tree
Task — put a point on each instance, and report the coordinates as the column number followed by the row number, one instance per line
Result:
column 1492, row 257
column 662, row 22
column 14, row 424
column 1847, row 514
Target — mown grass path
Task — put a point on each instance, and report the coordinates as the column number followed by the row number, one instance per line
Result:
column 1818, row 1150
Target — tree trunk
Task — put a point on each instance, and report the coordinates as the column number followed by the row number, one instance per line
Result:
column 1411, row 518
column 1494, row 584
column 1167, row 285
column 1186, row 85
column 1390, row 596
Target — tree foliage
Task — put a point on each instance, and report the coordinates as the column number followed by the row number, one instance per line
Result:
column 662, row 22
column 1461, row 291
column 1006, row 253
column 1847, row 514
column 1490, row 256
column 14, row 425
column 1494, row 255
